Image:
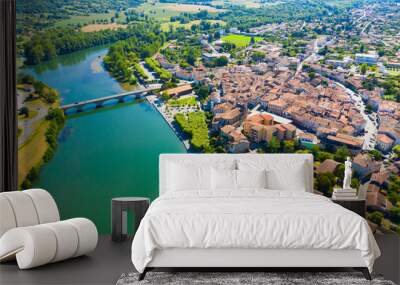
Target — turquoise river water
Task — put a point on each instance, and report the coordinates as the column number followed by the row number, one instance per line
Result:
column 103, row 153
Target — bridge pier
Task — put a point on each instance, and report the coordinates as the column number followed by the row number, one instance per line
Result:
column 121, row 100
column 99, row 105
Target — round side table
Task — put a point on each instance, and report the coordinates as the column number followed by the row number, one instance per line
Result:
column 119, row 207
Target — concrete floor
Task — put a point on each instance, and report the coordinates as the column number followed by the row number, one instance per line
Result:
column 103, row 266
column 110, row 260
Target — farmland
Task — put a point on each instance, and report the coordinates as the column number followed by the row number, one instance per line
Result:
column 87, row 19
column 99, row 27
column 163, row 11
column 239, row 40
column 246, row 3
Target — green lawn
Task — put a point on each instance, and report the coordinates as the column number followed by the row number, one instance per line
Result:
column 394, row 72
column 194, row 123
column 185, row 101
column 239, row 40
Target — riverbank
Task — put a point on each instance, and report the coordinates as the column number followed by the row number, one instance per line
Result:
column 30, row 154
column 169, row 120
column 36, row 129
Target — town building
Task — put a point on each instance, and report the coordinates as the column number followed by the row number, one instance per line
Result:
column 327, row 166
column 235, row 141
column 207, row 57
column 352, row 143
column 377, row 199
column 367, row 58
column 257, row 119
column 384, row 142
column 363, row 164
column 227, row 115
column 308, row 139
column 179, row 91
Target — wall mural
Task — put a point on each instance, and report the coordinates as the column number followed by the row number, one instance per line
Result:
column 105, row 86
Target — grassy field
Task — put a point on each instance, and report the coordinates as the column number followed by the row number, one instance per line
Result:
column 100, row 27
column 184, row 101
column 239, row 40
column 83, row 20
column 194, row 123
column 163, row 11
column 246, row 3
column 32, row 151
column 165, row 25
column 394, row 72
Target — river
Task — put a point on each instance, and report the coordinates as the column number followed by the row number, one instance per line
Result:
column 103, row 153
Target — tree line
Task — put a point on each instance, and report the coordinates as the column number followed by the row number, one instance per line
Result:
column 50, row 43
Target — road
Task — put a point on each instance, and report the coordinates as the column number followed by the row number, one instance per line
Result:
column 365, row 27
column 148, row 72
column 30, row 125
column 371, row 127
column 311, row 57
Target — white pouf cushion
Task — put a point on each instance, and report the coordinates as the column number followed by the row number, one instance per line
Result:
column 23, row 208
column 31, row 233
column 87, row 234
column 67, row 239
column 45, row 205
column 41, row 244
column 32, row 246
column 7, row 220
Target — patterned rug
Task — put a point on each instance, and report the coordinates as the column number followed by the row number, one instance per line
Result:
column 244, row 278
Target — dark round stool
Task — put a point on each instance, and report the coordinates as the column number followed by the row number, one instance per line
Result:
column 119, row 207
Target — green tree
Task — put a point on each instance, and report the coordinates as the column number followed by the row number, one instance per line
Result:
column 355, row 183
column 341, row 154
column 323, row 155
column 221, row 61
column 376, row 154
column 227, row 46
column 26, row 79
column 288, row 146
column 165, row 96
column 273, row 145
column 325, row 183
column 396, row 150
column 339, row 173
column 363, row 68
column 202, row 91
column 56, row 115
column 376, row 217
column 395, row 214
column 33, row 174
column 191, row 57
column 24, row 111
column 258, row 56
column 369, row 108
